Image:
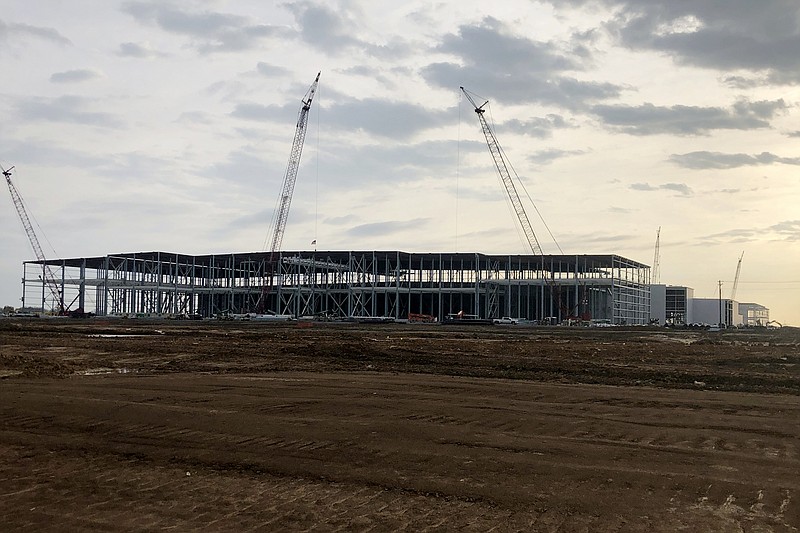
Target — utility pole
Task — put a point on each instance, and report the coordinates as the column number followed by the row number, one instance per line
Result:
column 720, row 304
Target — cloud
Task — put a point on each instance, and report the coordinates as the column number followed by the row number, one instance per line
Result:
column 680, row 188
column 75, row 76
column 141, row 51
column 490, row 44
column 210, row 31
column 15, row 31
column 333, row 31
column 339, row 221
column 550, row 155
column 326, row 29
column 648, row 119
column 487, row 53
column 538, row 127
column 370, row 167
column 32, row 151
column 67, row 109
column 377, row 229
column 621, row 210
column 242, row 169
column 396, row 120
column 794, row 133
column 522, row 88
column 718, row 160
column 787, row 231
column 271, row 71
column 725, row 35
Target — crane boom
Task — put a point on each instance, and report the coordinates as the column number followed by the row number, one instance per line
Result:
column 513, row 195
column 289, row 179
column 505, row 176
column 656, row 277
column 736, row 279
column 47, row 275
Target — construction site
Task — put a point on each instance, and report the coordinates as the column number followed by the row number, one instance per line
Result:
column 354, row 285
column 367, row 390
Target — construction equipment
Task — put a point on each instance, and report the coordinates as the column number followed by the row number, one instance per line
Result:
column 48, row 277
column 281, row 214
column 505, row 175
column 736, row 278
column 511, row 189
column 656, row 277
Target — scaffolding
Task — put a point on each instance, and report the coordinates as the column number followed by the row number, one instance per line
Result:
column 350, row 284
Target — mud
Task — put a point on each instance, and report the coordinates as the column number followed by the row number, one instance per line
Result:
column 130, row 426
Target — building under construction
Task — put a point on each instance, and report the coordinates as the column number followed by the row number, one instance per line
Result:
column 347, row 284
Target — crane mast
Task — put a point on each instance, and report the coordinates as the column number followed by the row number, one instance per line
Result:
column 47, row 274
column 285, row 200
column 505, row 175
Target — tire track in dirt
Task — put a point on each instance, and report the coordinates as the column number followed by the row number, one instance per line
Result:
column 351, row 451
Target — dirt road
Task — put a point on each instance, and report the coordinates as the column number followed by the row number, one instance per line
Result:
column 236, row 427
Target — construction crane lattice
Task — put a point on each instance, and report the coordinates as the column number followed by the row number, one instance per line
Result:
column 285, row 200
column 48, row 276
column 522, row 216
column 736, row 278
column 505, row 175
column 656, row 276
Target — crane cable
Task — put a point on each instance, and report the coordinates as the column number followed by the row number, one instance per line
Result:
column 525, row 189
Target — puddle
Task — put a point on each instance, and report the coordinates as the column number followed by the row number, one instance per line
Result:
column 124, row 335
column 104, row 371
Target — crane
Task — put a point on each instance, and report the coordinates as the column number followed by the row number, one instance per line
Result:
column 657, row 259
column 285, row 199
column 281, row 214
column 511, row 189
column 505, row 176
column 736, row 278
column 48, row 277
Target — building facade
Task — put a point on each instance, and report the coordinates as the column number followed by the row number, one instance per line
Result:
column 753, row 314
column 716, row 311
column 671, row 305
column 348, row 284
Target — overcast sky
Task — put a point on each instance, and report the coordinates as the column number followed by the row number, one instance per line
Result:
column 156, row 125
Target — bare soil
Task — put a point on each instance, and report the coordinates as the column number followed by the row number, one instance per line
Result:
column 232, row 426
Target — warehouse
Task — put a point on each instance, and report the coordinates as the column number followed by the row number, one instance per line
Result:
column 347, row 284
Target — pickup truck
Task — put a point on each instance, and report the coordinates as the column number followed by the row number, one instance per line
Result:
column 506, row 320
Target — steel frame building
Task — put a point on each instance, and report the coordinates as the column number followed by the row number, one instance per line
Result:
column 549, row 288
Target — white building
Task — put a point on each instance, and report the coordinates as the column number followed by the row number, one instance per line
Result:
column 671, row 304
column 753, row 314
column 716, row 311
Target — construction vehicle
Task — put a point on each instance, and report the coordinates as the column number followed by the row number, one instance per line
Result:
column 519, row 209
column 48, row 277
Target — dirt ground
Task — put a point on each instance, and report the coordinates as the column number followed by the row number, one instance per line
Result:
column 234, row 426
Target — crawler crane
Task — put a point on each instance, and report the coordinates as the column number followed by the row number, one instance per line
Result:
column 48, row 277
column 281, row 215
column 511, row 189
column 285, row 199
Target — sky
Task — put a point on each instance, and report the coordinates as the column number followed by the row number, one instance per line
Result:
column 154, row 125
